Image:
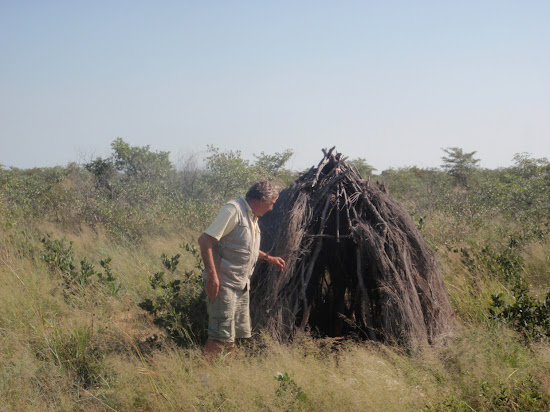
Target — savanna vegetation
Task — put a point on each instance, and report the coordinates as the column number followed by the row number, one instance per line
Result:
column 101, row 297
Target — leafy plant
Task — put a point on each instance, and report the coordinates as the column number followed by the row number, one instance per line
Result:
column 526, row 314
column 229, row 175
column 273, row 165
column 60, row 257
column 449, row 404
column 108, row 278
column 505, row 265
column 179, row 308
column 525, row 395
column 289, row 391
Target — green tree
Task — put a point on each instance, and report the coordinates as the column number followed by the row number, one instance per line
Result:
column 458, row 164
column 134, row 162
column 103, row 170
column 228, row 175
column 360, row 164
column 141, row 162
column 273, row 165
column 527, row 167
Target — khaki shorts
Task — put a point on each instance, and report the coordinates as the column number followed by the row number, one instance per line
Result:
column 228, row 314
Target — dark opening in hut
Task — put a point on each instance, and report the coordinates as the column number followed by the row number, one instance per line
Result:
column 355, row 263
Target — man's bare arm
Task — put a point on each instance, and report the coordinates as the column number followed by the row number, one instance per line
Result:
column 273, row 260
column 212, row 282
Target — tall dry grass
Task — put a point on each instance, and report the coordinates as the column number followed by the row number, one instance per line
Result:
column 92, row 351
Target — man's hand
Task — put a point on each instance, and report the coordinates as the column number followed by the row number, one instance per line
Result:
column 212, row 286
column 277, row 261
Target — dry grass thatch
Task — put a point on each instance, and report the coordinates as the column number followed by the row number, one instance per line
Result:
column 355, row 263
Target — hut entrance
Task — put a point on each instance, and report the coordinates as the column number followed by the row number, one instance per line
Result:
column 337, row 292
column 337, row 305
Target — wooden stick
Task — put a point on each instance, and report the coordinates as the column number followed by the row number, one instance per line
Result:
column 322, row 164
column 370, row 330
column 338, row 214
column 305, row 318
column 307, row 308
column 372, row 209
column 328, row 185
column 303, row 286
column 320, row 244
column 356, row 172
column 329, row 236
column 312, row 262
column 354, row 212
column 348, row 205
column 296, row 307
column 381, row 223
column 324, row 214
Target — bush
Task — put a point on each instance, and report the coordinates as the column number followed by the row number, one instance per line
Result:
column 180, row 307
column 526, row 314
column 506, row 265
column 60, row 257
column 522, row 396
column 291, row 396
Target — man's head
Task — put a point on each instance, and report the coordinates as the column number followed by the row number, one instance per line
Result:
column 261, row 197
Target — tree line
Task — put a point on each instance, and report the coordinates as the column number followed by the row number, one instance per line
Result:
column 137, row 191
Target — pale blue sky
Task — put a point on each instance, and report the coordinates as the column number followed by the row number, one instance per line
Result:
column 390, row 81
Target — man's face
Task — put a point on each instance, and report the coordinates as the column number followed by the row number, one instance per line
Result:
column 265, row 206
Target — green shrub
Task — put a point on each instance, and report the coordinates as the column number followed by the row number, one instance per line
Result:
column 523, row 396
column 505, row 265
column 526, row 314
column 60, row 257
column 180, row 307
column 291, row 396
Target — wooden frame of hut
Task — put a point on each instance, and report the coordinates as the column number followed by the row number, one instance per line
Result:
column 356, row 263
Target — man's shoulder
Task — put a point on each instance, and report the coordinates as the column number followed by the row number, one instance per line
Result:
column 238, row 205
column 230, row 207
column 236, row 202
column 224, row 222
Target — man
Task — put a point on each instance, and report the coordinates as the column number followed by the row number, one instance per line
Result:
column 230, row 247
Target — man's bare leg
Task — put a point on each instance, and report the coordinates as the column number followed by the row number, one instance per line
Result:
column 213, row 348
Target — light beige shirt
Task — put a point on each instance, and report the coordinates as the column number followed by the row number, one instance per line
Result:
column 227, row 220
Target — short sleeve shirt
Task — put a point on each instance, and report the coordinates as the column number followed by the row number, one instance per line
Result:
column 227, row 220
column 224, row 223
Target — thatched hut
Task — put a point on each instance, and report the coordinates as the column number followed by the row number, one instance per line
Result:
column 355, row 263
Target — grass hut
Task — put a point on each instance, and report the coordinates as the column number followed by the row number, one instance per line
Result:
column 356, row 263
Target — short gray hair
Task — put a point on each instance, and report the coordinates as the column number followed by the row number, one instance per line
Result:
column 263, row 190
